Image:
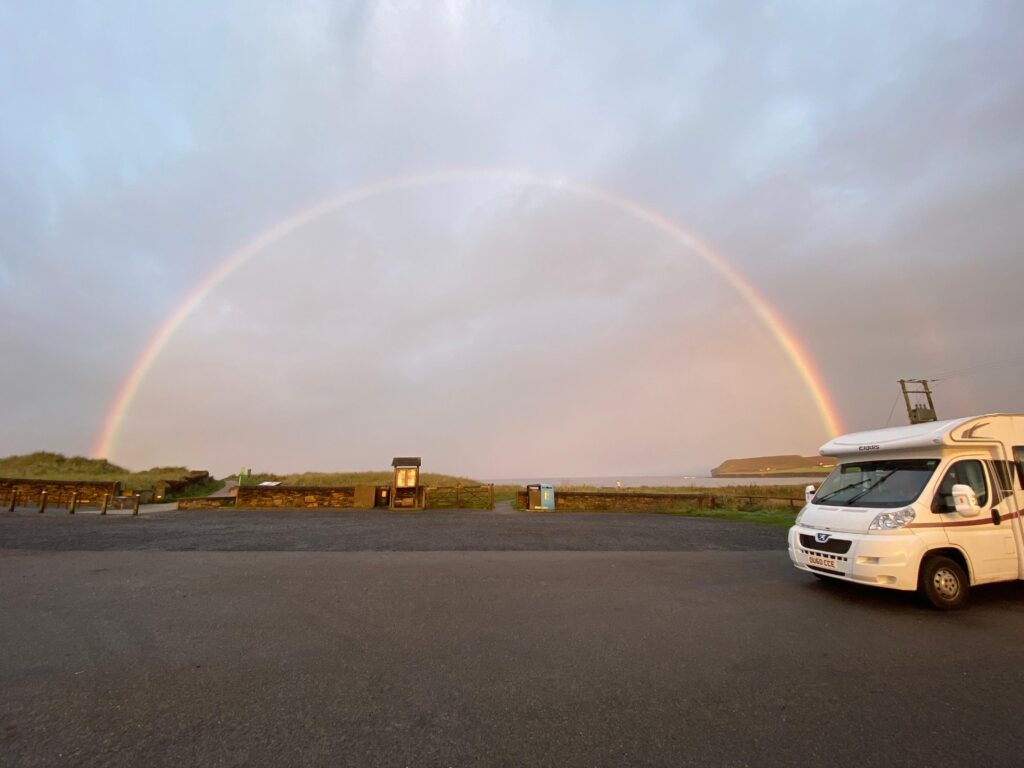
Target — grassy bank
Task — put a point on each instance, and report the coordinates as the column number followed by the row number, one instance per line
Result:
column 44, row 465
column 328, row 479
column 196, row 490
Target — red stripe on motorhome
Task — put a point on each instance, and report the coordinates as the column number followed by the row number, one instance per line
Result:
column 963, row 523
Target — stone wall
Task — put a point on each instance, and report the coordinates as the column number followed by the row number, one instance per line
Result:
column 291, row 497
column 57, row 491
column 620, row 501
column 641, row 501
column 207, row 502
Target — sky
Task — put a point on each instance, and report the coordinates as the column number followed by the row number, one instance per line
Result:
column 859, row 166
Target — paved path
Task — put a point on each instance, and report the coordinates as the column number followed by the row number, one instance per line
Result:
column 714, row 653
column 225, row 491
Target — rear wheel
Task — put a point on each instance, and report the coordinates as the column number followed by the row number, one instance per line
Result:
column 944, row 583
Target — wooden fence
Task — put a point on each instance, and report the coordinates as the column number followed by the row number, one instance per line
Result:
column 68, row 500
column 460, row 497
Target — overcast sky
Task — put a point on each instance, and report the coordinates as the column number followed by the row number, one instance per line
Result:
column 861, row 164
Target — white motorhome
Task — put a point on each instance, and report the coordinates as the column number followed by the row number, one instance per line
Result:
column 933, row 507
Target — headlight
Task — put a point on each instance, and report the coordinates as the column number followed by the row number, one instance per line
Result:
column 888, row 521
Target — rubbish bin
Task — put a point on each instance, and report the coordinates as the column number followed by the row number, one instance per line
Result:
column 533, row 497
column 540, row 496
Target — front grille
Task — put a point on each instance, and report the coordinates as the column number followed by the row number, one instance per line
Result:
column 825, row 570
column 836, row 546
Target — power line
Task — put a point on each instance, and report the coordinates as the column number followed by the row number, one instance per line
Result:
column 893, row 409
column 956, row 373
column 923, row 413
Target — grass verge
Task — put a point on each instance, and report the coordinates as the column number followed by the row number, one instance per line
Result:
column 780, row 517
column 197, row 490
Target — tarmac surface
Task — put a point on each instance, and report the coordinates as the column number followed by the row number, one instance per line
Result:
column 358, row 531
column 475, row 638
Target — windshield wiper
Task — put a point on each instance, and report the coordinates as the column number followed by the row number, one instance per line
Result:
column 836, row 492
column 871, row 487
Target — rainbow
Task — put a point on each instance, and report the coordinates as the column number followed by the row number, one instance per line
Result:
column 784, row 336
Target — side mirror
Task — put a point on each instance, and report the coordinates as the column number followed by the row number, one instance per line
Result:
column 965, row 500
column 808, row 493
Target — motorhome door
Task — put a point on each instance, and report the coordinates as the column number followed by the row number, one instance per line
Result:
column 990, row 539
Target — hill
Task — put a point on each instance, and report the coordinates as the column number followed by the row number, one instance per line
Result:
column 789, row 465
column 44, row 465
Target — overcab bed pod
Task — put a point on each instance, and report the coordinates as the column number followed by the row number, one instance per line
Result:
column 407, row 493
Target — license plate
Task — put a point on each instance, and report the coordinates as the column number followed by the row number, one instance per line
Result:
column 822, row 562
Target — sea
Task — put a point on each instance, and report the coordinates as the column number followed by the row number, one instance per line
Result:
column 658, row 481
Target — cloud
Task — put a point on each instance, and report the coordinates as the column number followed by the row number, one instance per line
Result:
column 860, row 163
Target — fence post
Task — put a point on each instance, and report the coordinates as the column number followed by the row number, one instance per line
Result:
column 42, row 502
column 106, row 500
column 135, row 505
column 14, row 499
column 73, row 503
column 458, row 495
column 490, row 497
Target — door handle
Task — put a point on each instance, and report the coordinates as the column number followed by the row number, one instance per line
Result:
column 996, row 517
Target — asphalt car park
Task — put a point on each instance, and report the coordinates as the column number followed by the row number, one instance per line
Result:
column 476, row 638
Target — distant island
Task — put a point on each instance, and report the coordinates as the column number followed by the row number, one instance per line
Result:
column 789, row 465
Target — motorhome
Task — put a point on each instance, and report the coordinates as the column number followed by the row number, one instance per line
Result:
column 934, row 507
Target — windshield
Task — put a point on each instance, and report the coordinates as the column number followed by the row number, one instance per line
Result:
column 893, row 483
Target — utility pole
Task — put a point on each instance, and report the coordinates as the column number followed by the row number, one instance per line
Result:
column 919, row 412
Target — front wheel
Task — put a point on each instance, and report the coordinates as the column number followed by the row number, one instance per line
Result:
column 944, row 583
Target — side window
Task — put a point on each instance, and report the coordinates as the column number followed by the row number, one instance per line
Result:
column 1001, row 473
column 1018, row 454
column 968, row 472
